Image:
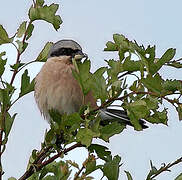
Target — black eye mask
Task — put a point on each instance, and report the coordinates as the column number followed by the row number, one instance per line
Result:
column 65, row 52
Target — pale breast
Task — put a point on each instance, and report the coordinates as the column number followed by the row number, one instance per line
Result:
column 56, row 88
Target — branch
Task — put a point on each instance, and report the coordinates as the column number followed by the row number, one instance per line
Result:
column 18, row 56
column 78, row 173
column 111, row 100
column 39, row 164
column 166, row 167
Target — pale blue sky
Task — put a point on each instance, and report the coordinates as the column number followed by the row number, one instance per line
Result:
column 92, row 24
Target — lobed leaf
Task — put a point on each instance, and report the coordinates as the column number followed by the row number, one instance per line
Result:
column 26, row 85
column 153, row 84
column 46, row 13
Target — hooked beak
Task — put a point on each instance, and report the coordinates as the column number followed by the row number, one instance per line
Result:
column 80, row 55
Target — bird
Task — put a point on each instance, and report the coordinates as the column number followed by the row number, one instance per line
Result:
column 57, row 89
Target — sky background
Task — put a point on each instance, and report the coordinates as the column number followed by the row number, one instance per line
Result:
column 92, row 24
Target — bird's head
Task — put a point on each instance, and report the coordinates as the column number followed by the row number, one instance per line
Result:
column 67, row 47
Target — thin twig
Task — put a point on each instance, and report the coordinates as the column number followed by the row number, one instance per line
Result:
column 18, row 55
column 166, row 167
column 38, row 166
column 78, row 173
column 30, row 62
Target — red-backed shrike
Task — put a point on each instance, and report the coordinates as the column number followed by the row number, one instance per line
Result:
column 57, row 89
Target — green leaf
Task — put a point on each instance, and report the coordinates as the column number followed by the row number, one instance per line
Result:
column 179, row 177
column 2, row 63
column 153, row 84
column 5, row 96
column 130, row 65
column 110, row 130
column 83, row 76
column 8, row 123
column 111, row 168
column 26, row 85
column 90, row 165
column 110, row 46
column 73, row 120
column 101, row 151
column 158, row 117
column 74, row 164
column 85, row 136
column 152, row 171
column 128, row 175
column 179, row 110
column 59, row 169
column 4, row 36
column 172, row 85
column 136, row 111
column 40, row 2
column 42, row 57
column 46, row 13
column 11, row 178
column 34, row 176
column 21, row 46
column 152, row 103
column 50, row 137
column 115, row 67
column 166, row 57
column 98, row 85
column 30, row 29
column 22, row 29
column 16, row 66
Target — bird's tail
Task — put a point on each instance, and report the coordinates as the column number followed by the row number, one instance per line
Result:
column 110, row 115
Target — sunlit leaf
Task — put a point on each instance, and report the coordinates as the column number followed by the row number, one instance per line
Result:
column 44, row 53
column 22, row 29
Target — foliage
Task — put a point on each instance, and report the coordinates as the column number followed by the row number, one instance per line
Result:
column 143, row 98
